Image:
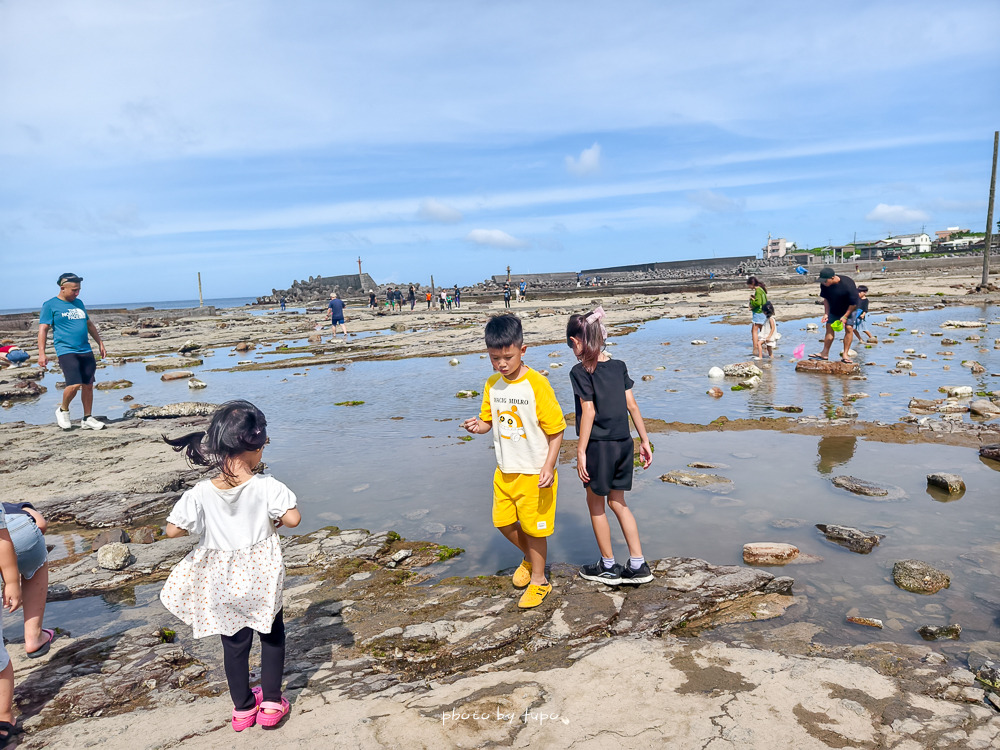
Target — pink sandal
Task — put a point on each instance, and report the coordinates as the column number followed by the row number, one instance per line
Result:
column 281, row 711
column 246, row 719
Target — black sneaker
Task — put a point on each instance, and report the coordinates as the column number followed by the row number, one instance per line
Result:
column 642, row 575
column 597, row 572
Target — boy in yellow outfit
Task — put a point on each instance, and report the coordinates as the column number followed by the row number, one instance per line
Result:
column 521, row 405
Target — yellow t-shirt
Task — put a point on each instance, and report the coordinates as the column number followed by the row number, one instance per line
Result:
column 523, row 413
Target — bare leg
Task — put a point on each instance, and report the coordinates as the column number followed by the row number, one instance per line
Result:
column 68, row 395
column 599, row 520
column 755, row 335
column 516, row 537
column 87, row 396
column 33, row 593
column 7, row 693
column 828, row 341
column 537, row 548
column 848, row 338
column 616, row 499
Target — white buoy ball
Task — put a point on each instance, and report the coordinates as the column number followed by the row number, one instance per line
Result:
column 716, row 372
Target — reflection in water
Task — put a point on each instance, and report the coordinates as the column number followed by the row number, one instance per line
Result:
column 834, row 451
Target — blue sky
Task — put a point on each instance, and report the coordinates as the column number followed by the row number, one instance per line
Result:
column 260, row 141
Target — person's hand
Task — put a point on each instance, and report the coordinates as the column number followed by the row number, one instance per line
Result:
column 645, row 454
column 43, row 361
column 581, row 468
column 277, row 523
column 104, row 352
column 12, row 595
column 824, row 318
column 471, row 425
column 546, row 477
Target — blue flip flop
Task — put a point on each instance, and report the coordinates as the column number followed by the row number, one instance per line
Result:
column 39, row 652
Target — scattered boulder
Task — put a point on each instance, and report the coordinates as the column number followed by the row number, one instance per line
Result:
column 21, row 390
column 113, row 385
column 990, row 451
column 961, row 324
column 865, row 488
column 644, row 377
column 244, row 346
column 853, row 539
column 171, row 363
column 711, row 482
column 742, row 370
column 143, row 535
column 114, row 556
column 919, row 577
column 196, row 384
column 957, row 391
column 828, row 367
column 698, row 342
column 868, row 622
column 454, row 361
column 188, row 346
column 178, row 375
column 843, row 411
column 788, row 409
column 149, row 335
column 937, row 633
column 984, row 408
column 953, row 483
column 182, row 409
column 751, row 382
column 715, row 392
column 769, row 553
column 109, row 536
column 466, row 394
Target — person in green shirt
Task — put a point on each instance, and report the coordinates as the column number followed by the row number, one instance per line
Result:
column 758, row 298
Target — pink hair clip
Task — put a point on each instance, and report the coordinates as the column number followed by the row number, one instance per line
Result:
column 596, row 317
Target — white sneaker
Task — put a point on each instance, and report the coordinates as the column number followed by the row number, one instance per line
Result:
column 91, row 424
column 62, row 418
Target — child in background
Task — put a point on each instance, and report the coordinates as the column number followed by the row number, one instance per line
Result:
column 769, row 332
column 231, row 583
column 14, row 355
column 602, row 391
column 858, row 321
column 520, row 404
column 12, row 600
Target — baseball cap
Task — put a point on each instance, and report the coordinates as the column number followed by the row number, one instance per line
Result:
column 826, row 274
column 863, row 288
column 69, row 278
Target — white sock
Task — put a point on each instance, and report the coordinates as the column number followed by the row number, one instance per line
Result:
column 609, row 562
column 636, row 562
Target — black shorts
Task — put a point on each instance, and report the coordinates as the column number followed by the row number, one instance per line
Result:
column 78, row 369
column 610, row 464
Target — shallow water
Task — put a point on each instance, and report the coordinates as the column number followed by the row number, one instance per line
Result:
column 397, row 462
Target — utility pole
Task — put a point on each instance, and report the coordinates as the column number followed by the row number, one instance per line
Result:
column 201, row 300
column 508, row 273
column 359, row 265
column 989, row 215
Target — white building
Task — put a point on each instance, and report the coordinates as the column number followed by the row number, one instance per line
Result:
column 778, row 248
column 910, row 243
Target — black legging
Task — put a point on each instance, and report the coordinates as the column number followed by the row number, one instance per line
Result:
column 236, row 658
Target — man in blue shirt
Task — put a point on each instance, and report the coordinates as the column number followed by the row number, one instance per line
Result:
column 70, row 324
column 336, row 307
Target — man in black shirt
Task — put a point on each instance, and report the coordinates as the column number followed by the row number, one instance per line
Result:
column 840, row 299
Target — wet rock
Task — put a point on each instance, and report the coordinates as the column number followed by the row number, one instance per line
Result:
column 715, row 392
column 149, row 335
column 109, row 536
column 828, row 367
column 196, row 384
column 742, row 370
column 937, row 633
column 178, row 375
column 143, row 535
column 466, row 394
column 711, row 482
column 769, row 553
column 244, row 346
column 698, row 342
column 868, row 622
column 182, row 409
column 788, row 409
column 919, row 577
column 752, row 382
column 27, row 373
column 114, row 556
column 844, row 411
column 188, row 346
column 111, row 385
column 644, row 377
column 988, row 673
column 990, row 451
column 716, row 372
column 953, row 483
column 706, row 465
column 454, row 361
column 21, row 390
column 780, row 585
column 853, row 539
column 984, row 408
column 957, row 391
column 865, row 488
column 961, row 324
column 172, row 363
column 904, row 364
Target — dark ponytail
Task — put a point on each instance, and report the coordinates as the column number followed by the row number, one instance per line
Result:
column 236, row 427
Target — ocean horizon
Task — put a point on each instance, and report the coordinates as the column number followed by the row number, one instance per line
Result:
column 176, row 304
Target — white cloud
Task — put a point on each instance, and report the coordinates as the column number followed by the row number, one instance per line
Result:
column 495, row 238
column 717, row 202
column 434, row 210
column 589, row 162
column 887, row 214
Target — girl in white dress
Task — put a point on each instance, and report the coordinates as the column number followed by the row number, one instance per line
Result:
column 230, row 584
column 769, row 335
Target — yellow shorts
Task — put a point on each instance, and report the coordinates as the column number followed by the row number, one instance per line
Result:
column 517, row 497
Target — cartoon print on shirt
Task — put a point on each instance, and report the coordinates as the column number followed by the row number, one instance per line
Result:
column 511, row 427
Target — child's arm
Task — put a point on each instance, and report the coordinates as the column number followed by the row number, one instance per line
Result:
column 38, row 518
column 175, row 531
column 587, row 414
column 11, row 575
column 548, row 473
column 477, row 426
column 645, row 450
column 291, row 518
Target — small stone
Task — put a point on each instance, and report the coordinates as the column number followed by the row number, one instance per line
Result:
column 769, row 553
column 176, row 375
column 144, row 535
column 698, row 342
column 715, row 392
column 647, row 377
column 933, row 633
column 919, row 577
column 107, row 537
column 953, row 483
column 114, row 556
column 401, row 555
column 870, row 622
column 194, row 383
column 454, row 361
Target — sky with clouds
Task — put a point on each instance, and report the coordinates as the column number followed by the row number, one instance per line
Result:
column 260, row 141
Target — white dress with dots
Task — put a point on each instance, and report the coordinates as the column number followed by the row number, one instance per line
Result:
column 234, row 577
